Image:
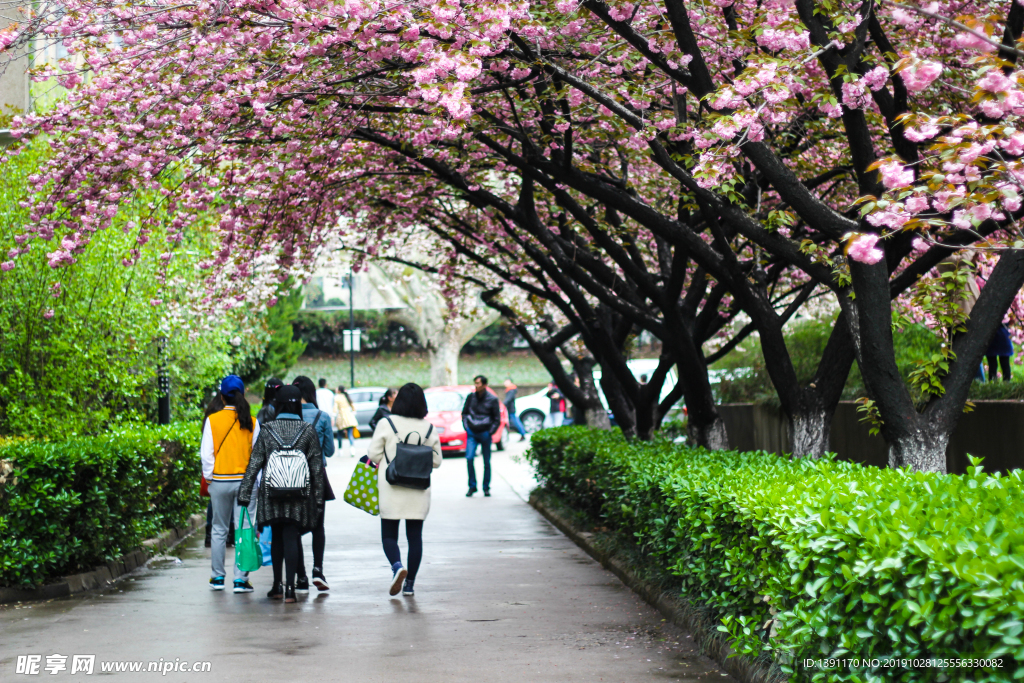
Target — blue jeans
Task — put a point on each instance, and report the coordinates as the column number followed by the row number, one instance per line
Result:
column 484, row 439
column 517, row 424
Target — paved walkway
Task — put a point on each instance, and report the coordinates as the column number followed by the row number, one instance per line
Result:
column 502, row 596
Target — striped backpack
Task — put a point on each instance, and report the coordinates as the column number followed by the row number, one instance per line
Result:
column 287, row 472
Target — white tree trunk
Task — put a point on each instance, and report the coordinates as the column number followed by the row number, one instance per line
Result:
column 809, row 434
column 444, row 362
column 713, row 437
column 419, row 305
column 924, row 451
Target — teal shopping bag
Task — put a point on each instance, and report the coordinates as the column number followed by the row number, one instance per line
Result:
column 248, row 556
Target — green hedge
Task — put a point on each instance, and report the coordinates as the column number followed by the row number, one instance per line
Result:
column 72, row 505
column 812, row 559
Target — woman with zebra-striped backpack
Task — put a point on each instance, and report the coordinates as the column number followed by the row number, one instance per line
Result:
column 291, row 493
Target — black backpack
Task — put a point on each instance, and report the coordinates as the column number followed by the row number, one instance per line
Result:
column 412, row 463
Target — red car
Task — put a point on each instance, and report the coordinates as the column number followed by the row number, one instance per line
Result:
column 445, row 413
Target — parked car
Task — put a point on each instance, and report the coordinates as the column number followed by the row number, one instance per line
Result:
column 534, row 407
column 445, row 413
column 366, row 400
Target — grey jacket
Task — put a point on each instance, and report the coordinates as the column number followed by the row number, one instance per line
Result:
column 303, row 513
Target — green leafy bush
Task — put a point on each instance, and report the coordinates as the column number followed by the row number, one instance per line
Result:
column 71, row 505
column 810, row 559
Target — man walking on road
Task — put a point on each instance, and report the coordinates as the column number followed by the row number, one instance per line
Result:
column 481, row 417
column 510, row 405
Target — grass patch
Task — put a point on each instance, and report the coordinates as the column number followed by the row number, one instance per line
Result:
column 395, row 369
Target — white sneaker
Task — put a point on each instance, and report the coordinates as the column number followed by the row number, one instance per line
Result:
column 398, row 579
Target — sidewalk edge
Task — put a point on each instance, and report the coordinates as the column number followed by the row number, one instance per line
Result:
column 106, row 574
column 675, row 609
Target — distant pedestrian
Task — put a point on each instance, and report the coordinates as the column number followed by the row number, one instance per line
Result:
column 345, row 420
column 266, row 413
column 481, row 417
column 1000, row 350
column 405, row 424
column 288, row 513
column 325, row 399
column 227, row 442
column 510, row 405
column 384, row 409
column 312, row 414
column 555, row 414
column 643, row 380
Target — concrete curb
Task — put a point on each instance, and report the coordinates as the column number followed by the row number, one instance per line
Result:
column 677, row 610
column 110, row 572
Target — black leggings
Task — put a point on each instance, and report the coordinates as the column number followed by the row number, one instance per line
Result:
column 413, row 533
column 993, row 368
column 284, row 545
column 319, row 545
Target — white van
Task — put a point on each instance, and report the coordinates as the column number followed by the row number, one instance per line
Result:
column 532, row 409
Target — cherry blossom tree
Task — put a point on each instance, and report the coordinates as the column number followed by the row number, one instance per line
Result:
column 860, row 143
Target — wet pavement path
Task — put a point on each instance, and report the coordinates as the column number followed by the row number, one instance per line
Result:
column 501, row 596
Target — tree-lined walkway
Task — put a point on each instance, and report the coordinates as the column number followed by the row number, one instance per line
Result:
column 501, row 596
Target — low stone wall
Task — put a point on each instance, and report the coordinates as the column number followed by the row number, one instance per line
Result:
column 103, row 576
column 994, row 430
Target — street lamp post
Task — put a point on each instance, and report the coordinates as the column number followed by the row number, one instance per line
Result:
column 351, row 331
column 163, row 383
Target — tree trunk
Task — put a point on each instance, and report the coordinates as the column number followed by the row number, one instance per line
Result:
column 597, row 418
column 712, row 436
column 922, row 449
column 625, row 416
column 809, row 432
column 443, row 352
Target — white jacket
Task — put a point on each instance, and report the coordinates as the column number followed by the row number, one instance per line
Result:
column 399, row 502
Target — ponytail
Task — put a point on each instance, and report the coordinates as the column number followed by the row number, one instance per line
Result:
column 237, row 400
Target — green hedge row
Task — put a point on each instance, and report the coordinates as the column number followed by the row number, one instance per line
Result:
column 69, row 506
column 816, row 559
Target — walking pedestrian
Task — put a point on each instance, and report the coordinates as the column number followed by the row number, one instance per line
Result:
column 266, row 412
column 384, row 409
column 1000, row 350
column 510, row 405
column 555, row 414
column 227, row 442
column 289, row 516
column 398, row 502
column 312, row 414
column 216, row 404
column 325, row 397
column 345, row 422
column 481, row 417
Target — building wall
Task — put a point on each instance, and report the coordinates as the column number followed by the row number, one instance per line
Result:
column 14, row 83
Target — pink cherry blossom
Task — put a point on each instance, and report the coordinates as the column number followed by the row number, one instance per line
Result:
column 862, row 248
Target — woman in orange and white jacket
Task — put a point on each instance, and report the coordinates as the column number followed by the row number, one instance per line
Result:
column 228, row 438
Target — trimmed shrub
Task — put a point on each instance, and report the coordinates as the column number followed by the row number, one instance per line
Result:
column 817, row 559
column 72, row 505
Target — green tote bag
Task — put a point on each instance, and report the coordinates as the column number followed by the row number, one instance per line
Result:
column 248, row 556
column 362, row 489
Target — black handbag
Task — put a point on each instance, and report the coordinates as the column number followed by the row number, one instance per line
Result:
column 412, row 463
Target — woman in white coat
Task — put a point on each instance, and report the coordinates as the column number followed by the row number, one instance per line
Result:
column 398, row 502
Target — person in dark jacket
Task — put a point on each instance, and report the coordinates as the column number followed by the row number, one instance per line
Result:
column 288, row 518
column 321, row 421
column 999, row 353
column 481, row 417
column 266, row 413
column 386, row 401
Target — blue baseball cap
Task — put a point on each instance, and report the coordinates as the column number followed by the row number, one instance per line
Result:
column 231, row 383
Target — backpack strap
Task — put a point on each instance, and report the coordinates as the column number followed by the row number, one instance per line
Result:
column 278, row 439
column 388, row 418
column 421, row 438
